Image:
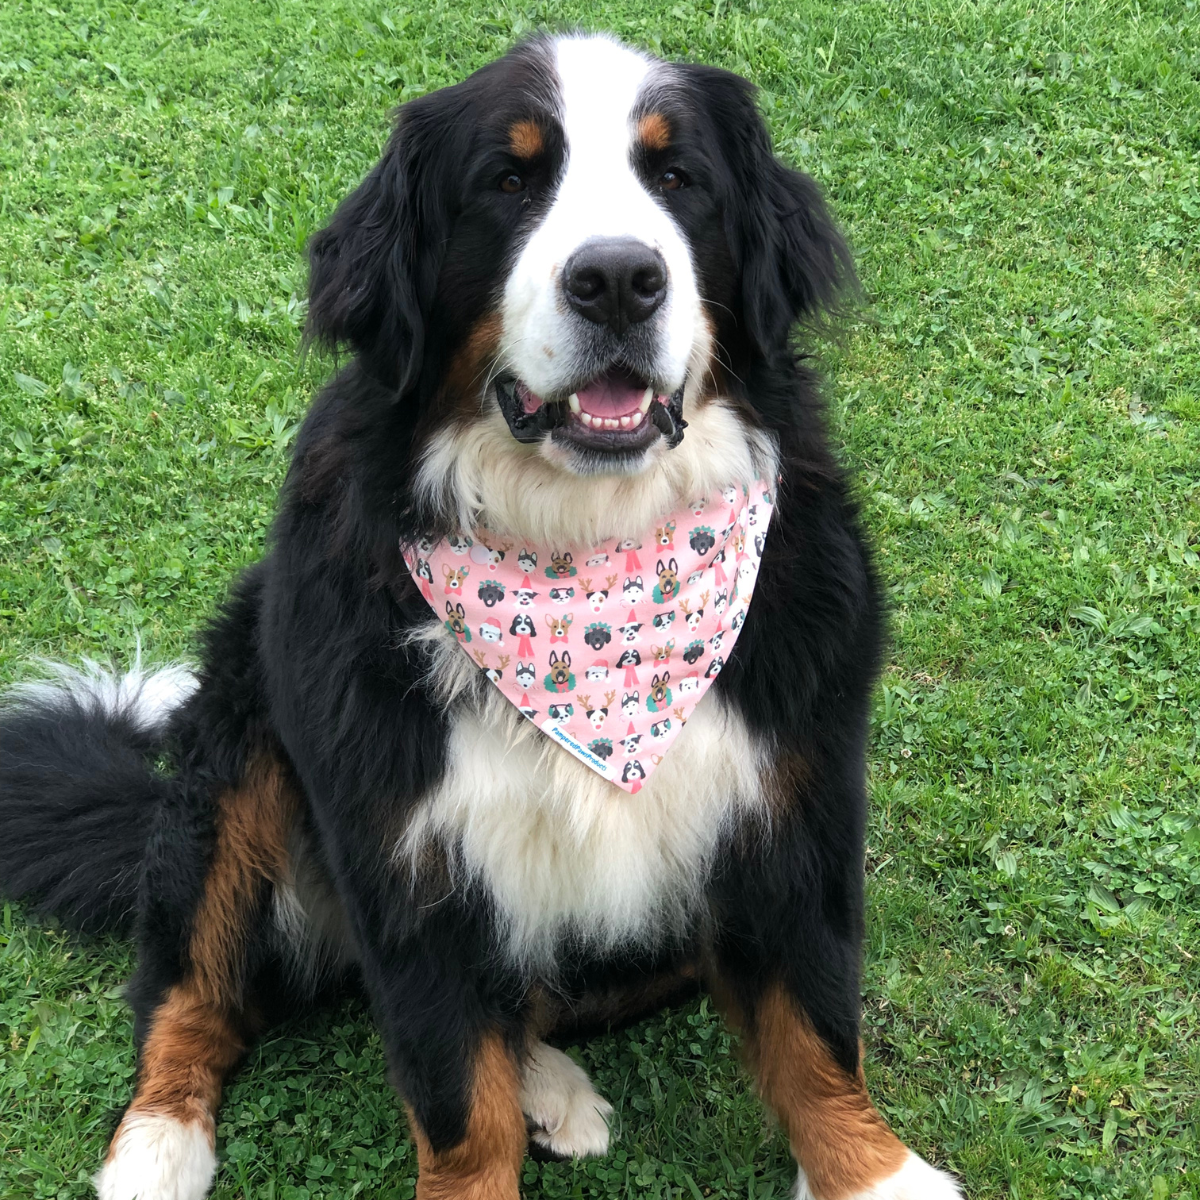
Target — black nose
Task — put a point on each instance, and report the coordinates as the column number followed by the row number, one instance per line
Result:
column 615, row 281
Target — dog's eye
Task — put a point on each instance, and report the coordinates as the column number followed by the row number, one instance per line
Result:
column 672, row 180
column 512, row 184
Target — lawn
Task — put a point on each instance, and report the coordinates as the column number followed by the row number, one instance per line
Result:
column 1018, row 397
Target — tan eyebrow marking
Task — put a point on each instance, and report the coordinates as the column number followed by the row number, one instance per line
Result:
column 525, row 139
column 654, row 131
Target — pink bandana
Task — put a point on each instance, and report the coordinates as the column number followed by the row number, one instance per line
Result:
column 606, row 650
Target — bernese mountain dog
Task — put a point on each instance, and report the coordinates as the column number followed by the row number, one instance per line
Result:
column 571, row 455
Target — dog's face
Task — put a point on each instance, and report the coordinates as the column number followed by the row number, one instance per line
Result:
column 550, row 254
column 491, row 592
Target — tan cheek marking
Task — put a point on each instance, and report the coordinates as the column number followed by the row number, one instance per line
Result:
column 525, row 139
column 713, row 378
column 486, row 1163
column 837, row 1136
column 469, row 368
column 654, row 131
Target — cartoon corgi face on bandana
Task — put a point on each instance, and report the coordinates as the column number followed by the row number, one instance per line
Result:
column 631, row 653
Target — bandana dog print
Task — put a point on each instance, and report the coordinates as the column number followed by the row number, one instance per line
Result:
column 607, row 649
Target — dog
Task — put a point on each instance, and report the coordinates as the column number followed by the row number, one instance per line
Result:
column 567, row 292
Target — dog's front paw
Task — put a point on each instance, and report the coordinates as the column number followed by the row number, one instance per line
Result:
column 916, row 1180
column 569, row 1118
column 154, row 1157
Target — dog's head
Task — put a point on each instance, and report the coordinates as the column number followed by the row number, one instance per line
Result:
column 569, row 256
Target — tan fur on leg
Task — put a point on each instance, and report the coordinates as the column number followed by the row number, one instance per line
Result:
column 842, row 1144
column 486, row 1164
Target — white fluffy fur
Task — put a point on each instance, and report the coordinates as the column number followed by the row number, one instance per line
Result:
column 147, row 697
column 556, row 1094
column 154, row 1157
column 487, row 478
column 916, row 1180
column 599, row 196
column 563, row 853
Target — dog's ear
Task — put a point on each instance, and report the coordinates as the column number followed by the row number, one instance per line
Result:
column 373, row 269
column 793, row 262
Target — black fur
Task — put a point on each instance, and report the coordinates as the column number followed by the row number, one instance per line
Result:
column 78, row 797
column 311, row 663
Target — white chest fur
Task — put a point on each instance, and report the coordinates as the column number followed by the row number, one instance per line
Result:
column 563, row 852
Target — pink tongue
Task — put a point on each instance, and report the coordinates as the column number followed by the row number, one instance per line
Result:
column 530, row 402
column 609, row 397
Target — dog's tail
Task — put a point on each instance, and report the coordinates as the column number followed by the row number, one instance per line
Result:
column 79, row 789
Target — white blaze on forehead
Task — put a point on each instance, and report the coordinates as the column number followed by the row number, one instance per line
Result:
column 599, row 195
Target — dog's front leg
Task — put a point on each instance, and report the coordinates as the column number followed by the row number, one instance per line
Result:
column 454, row 1058
column 785, row 971
column 452, row 1025
column 470, row 1144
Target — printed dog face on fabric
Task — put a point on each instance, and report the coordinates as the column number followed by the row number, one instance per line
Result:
column 605, row 689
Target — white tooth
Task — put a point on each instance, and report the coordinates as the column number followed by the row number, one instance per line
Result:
column 573, row 401
column 624, row 422
column 609, row 423
column 645, row 404
column 586, row 418
column 635, row 420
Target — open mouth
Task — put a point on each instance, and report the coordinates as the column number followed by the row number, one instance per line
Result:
column 617, row 400
column 617, row 411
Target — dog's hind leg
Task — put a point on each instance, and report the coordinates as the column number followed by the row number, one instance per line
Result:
column 194, row 996
column 567, row 1117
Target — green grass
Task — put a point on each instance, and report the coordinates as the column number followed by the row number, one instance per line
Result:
column 1020, row 402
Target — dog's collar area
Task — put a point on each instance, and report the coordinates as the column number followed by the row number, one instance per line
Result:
column 606, row 648
column 530, row 420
